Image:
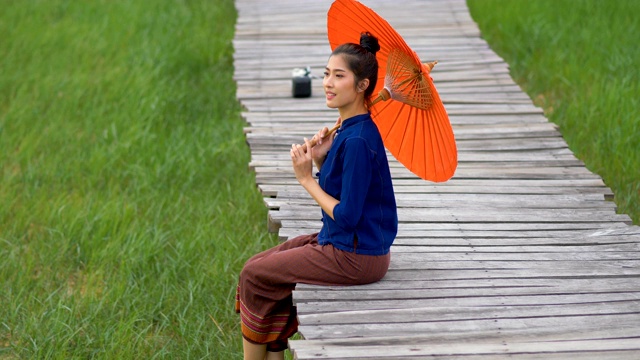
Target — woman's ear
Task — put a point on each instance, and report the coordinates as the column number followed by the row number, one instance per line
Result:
column 363, row 85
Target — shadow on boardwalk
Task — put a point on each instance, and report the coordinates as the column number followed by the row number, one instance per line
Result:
column 520, row 255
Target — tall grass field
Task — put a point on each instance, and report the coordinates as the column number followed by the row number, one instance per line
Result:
column 580, row 61
column 126, row 205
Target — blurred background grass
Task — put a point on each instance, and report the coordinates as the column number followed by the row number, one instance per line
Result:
column 578, row 60
column 126, row 204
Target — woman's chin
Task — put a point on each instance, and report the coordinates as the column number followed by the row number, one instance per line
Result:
column 331, row 105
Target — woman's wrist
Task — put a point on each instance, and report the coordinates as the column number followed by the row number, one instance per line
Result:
column 306, row 181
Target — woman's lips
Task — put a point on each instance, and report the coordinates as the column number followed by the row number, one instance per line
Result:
column 330, row 95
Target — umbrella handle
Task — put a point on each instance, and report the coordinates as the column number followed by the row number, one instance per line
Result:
column 313, row 141
column 383, row 95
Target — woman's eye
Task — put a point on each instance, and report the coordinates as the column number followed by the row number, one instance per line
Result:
column 326, row 74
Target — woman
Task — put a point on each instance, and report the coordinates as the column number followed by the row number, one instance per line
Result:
column 359, row 216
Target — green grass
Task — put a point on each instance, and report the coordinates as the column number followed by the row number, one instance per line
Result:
column 578, row 60
column 126, row 205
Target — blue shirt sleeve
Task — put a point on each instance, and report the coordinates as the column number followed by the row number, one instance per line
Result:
column 356, row 178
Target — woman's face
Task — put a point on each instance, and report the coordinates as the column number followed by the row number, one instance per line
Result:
column 340, row 84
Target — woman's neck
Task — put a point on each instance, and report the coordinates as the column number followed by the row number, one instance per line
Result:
column 351, row 111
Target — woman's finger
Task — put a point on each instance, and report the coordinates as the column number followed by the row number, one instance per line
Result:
column 321, row 134
column 308, row 144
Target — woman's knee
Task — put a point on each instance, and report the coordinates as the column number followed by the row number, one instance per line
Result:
column 249, row 271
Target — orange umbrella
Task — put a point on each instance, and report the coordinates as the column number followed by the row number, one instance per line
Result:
column 408, row 112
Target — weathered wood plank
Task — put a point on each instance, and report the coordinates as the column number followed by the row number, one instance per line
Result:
column 548, row 350
column 591, row 284
column 282, row 137
column 428, row 215
column 611, row 289
column 452, row 216
column 320, row 306
column 505, row 326
column 488, row 234
column 407, row 201
column 398, row 316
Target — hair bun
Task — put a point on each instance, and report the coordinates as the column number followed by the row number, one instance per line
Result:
column 369, row 42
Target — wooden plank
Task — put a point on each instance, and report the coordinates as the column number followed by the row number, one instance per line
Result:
column 290, row 187
column 481, row 233
column 462, row 132
column 551, row 349
column 606, row 285
column 319, row 306
column 471, row 215
column 613, row 289
column 487, row 234
column 439, row 314
column 447, row 215
column 472, row 339
column 506, row 326
column 495, row 125
column 504, row 202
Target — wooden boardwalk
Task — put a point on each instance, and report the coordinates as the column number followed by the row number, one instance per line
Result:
column 521, row 255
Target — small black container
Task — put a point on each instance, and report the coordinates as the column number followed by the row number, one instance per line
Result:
column 301, row 83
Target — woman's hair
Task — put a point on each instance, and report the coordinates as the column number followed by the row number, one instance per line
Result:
column 361, row 59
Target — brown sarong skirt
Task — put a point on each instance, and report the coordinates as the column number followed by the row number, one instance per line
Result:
column 263, row 297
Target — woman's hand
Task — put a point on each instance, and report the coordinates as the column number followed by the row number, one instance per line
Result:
column 323, row 143
column 301, row 161
column 321, row 147
column 302, row 167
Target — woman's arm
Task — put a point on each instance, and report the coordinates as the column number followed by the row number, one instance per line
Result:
column 326, row 201
column 302, row 166
column 356, row 180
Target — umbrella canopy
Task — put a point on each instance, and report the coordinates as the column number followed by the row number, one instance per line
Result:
column 408, row 112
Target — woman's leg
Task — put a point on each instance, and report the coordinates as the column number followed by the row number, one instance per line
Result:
column 254, row 351
column 275, row 355
column 267, row 280
column 263, row 351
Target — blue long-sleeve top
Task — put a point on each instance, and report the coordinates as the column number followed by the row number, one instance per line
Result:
column 356, row 173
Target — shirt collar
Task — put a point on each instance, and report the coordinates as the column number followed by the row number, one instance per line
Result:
column 353, row 121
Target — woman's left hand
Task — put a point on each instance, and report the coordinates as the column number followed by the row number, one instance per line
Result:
column 302, row 161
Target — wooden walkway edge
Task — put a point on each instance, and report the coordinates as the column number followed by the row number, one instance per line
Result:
column 521, row 255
